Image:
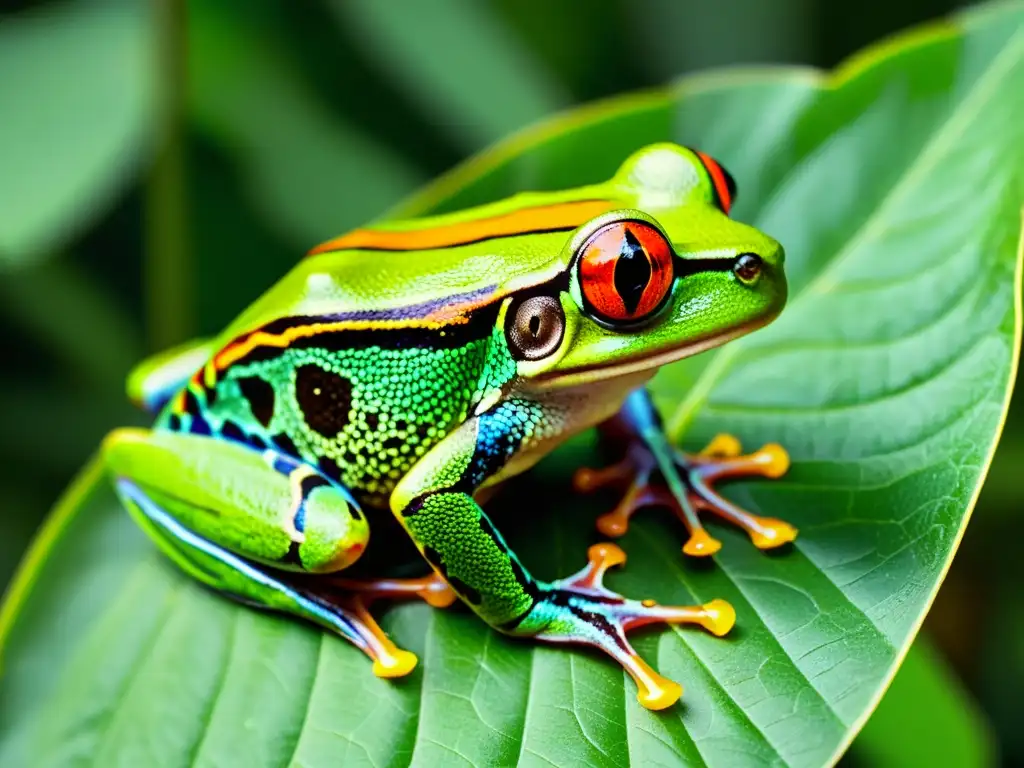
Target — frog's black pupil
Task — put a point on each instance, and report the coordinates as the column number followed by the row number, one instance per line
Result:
column 535, row 325
column 747, row 266
column 632, row 272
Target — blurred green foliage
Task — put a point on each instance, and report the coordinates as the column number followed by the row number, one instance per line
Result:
column 301, row 120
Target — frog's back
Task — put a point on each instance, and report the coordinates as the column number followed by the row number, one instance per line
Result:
column 362, row 413
column 379, row 343
column 429, row 270
column 369, row 352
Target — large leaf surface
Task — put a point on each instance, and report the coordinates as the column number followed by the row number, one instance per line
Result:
column 896, row 185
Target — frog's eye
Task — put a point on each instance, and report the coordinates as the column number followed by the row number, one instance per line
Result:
column 625, row 272
column 535, row 327
column 722, row 182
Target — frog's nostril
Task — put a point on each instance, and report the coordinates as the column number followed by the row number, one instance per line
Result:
column 747, row 267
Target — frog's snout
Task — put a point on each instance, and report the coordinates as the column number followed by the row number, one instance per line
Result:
column 773, row 254
column 778, row 275
column 778, row 256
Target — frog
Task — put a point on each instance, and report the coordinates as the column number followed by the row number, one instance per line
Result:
column 400, row 373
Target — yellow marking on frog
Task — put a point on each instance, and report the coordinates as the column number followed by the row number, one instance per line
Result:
column 295, row 479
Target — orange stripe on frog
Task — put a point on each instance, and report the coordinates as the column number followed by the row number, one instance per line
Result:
column 540, row 219
column 242, row 346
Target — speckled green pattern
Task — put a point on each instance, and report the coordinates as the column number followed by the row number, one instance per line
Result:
column 455, row 534
column 499, row 367
column 372, row 412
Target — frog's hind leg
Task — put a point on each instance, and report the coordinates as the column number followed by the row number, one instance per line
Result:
column 431, row 589
column 256, row 525
column 249, row 583
column 688, row 480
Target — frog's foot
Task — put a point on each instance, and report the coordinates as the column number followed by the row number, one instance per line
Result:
column 388, row 659
column 580, row 609
column 689, row 487
column 341, row 608
column 355, row 596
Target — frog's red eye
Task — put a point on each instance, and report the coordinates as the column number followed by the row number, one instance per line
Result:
column 625, row 271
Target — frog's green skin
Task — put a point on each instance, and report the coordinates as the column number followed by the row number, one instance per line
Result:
column 379, row 374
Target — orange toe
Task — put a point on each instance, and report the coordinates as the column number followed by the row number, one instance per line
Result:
column 772, row 533
column 606, row 554
column 723, row 445
column 399, row 664
column 774, row 460
column 719, row 617
column 701, row 544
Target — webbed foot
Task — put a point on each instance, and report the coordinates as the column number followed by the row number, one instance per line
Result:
column 688, row 487
column 580, row 609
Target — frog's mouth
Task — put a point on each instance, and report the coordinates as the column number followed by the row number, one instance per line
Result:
column 648, row 362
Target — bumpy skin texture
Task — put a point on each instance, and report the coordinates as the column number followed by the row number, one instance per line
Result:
column 363, row 415
column 455, row 534
column 410, row 365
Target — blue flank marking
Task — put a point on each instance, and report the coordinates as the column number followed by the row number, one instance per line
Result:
column 283, row 465
column 183, row 534
column 639, row 411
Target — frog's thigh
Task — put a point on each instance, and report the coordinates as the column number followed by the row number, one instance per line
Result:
column 205, row 502
column 261, row 505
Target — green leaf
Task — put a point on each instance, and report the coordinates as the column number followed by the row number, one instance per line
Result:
column 896, row 185
column 310, row 174
column 926, row 718
column 450, row 57
column 65, row 156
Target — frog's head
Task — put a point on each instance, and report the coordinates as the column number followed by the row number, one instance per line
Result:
column 666, row 276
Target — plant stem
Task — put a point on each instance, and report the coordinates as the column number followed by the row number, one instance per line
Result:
column 167, row 269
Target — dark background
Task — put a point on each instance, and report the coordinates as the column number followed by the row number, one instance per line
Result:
column 301, row 119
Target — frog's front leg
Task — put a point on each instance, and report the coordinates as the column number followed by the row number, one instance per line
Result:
column 251, row 523
column 435, row 504
column 688, row 479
